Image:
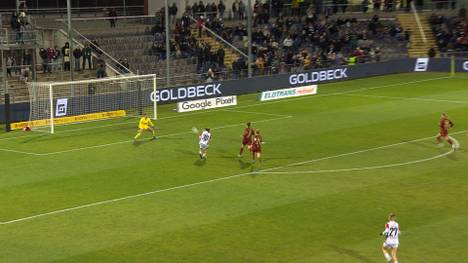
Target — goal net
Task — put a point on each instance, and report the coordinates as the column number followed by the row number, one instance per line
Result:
column 60, row 103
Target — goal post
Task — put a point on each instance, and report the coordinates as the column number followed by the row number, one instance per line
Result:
column 60, row 103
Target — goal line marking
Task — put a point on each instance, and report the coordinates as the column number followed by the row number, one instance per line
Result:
column 162, row 136
column 129, row 197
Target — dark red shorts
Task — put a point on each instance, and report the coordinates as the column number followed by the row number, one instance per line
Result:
column 246, row 141
column 443, row 133
column 256, row 149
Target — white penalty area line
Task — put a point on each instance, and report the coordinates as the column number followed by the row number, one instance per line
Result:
column 161, row 136
column 20, row 152
column 128, row 122
column 129, row 197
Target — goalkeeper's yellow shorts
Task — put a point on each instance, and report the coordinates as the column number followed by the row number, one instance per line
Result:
column 143, row 127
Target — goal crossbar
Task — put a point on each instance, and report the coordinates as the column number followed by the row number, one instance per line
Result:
column 56, row 103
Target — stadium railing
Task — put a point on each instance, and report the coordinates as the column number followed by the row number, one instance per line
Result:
column 8, row 37
column 81, row 11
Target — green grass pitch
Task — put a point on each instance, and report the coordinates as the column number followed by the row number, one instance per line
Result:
column 335, row 165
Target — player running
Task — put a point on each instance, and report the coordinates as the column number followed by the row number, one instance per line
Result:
column 205, row 138
column 246, row 138
column 444, row 125
column 257, row 146
column 391, row 233
column 145, row 124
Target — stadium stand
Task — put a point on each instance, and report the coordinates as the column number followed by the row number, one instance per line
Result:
column 280, row 43
column 450, row 31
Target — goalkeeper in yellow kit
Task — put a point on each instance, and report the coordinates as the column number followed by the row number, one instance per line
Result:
column 145, row 124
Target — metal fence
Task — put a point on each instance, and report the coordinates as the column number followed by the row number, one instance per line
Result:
column 8, row 37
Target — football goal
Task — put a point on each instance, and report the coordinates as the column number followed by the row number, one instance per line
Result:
column 60, row 103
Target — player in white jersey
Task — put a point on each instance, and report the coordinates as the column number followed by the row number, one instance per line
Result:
column 205, row 138
column 391, row 233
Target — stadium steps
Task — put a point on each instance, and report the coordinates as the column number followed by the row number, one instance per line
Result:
column 417, row 47
column 229, row 54
column 19, row 90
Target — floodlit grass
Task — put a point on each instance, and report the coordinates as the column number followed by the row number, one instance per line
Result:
column 327, row 182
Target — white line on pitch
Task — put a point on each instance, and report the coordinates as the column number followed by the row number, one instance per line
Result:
column 60, row 211
column 258, row 113
column 365, row 150
column 404, row 98
column 21, row 152
column 366, row 168
column 252, row 105
column 162, row 136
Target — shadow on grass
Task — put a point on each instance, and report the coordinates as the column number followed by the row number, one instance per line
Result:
column 138, row 143
column 200, row 162
column 352, row 253
column 187, row 152
column 244, row 165
column 33, row 138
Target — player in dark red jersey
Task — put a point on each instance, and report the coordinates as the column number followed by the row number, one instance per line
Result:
column 257, row 146
column 246, row 138
column 444, row 125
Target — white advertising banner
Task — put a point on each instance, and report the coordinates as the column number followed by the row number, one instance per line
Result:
column 288, row 93
column 61, row 107
column 205, row 104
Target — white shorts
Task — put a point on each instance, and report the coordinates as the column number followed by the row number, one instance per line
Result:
column 203, row 146
column 390, row 244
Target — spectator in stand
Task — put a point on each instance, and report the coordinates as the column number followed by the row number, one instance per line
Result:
column 388, row 5
column 87, row 53
column 241, row 11
column 365, row 6
column 10, row 63
column 344, row 5
column 334, row 6
column 66, row 56
column 200, row 9
column 210, row 76
column 200, row 25
column 288, row 42
column 220, row 54
column 27, row 58
column 431, row 52
column 95, row 47
column 212, row 11
column 112, row 14
column 77, row 54
column 276, row 6
column 101, row 68
column 125, row 63
column 235, row 9
column 45, row 62
column 50, row 57
column 221, row 9
column 24, row 75
column 16, row 28
column 173, row 13
column 377, row 5
column 451, row 33
column 295, row 7
column 260, row 65
column 125, row 66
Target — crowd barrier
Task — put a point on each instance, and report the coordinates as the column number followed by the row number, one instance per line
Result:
column 20, row 111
